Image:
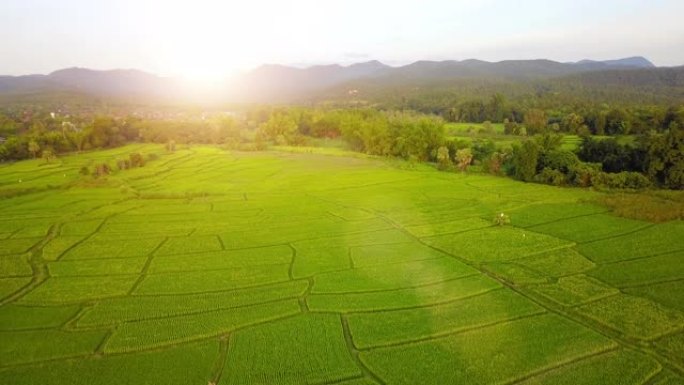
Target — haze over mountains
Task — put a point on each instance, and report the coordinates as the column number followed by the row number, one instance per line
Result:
column 278, row 83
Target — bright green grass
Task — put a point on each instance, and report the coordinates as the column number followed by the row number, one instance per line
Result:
column 193, row 244
column 333, row 253
column 495, row 354
column 28, row 227
column 515, row 274
column 310, row 348
column 259, row 256
column 547, row 213
column 379, row 255
column 387, row 327
column 58, row 246
column 32, row 346
column 574, row 290
column 15, row 266
column 103, row 247
column 132, row 336
column 215, row 280
column 14, row 317
column 403, row 298
column 658, row 239
column 449, row 227
column 118, row 310
column 667, row 377
column 557, row 263
column 151, row 229
column 190, row 364
column 571, row 142
column 280, row 265
column 634, row 316
column 11, row 285
column 392, row 276
column 17, row 246
column 285, row 232
column 358, row 381
column 496, row 244
column 642, row 271
column 58, row 290
column 620, row 367
column 669, row 294
column 589, row 228
column 315, row 257
column 97, row 267
column 674, row 345
column 80, row 227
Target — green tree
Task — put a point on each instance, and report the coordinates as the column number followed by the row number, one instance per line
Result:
column 571, row 123
column 48, row 155
column 524, row 159
column 535, row 121
column 280, row 124
column 33, row 148
column 464, row 157
column 665, row 154
column 443, row 157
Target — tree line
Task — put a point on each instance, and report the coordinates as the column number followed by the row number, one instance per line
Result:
column 655, row 158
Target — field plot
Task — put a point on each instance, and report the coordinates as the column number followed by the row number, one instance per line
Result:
column 612, row 368
column 489, row 355
column 214, row 267
column 496, row 244
column 395, row 326
column 309, row 349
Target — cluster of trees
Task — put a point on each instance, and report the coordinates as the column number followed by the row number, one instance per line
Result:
column 50, row 135
column 387, row 133
column 134, row 160
column 655, row 157
column 579, row 119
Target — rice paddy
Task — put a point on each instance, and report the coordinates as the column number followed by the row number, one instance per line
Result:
column 214, row 267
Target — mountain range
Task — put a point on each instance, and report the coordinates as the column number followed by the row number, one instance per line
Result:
column 278, row 83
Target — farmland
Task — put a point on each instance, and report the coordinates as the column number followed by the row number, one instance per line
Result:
column 209, row 266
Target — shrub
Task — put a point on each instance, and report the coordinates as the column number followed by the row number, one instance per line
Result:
column 483, row 149
column 463, row 158
column 501, row 219
column 583, row 174
column 494, row 163
column 443, row 157
column 123, row 164
column 136, row 159
column 561, row 160
column 622, row 180
column 551, row 176
column 102, row 169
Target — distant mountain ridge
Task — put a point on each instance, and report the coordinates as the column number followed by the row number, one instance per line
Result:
column 116, row 83
column 279, row 83
column 282, row 83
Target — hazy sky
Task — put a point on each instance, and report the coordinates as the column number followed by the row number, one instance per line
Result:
column 202, row 38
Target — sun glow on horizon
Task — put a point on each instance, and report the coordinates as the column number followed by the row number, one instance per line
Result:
column 205, row 43
column 207, row 40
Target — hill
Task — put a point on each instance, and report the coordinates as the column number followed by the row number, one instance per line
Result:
column 629, row 78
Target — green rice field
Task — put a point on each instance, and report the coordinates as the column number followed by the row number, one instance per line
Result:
column 207, row 266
